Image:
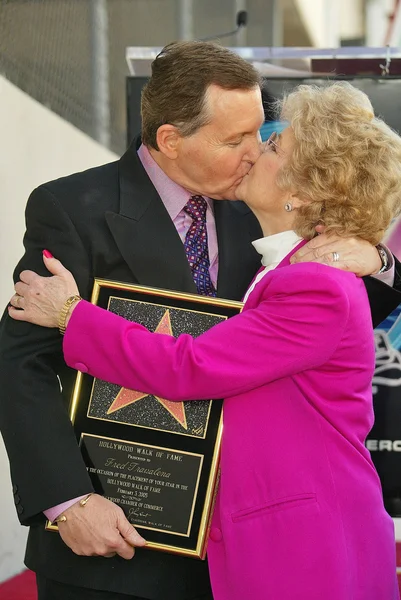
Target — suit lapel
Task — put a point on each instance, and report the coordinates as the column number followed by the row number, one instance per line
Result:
column 238, row 260
column 144, row 232
column 286, row 260
column 260, row 289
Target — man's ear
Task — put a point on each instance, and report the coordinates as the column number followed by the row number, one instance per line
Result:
column 168, row 139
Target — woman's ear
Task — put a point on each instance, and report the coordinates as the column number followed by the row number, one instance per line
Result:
column 168, row 139
column 296, row 201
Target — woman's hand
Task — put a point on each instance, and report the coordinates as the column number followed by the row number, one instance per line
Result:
column 349, row 254
column 39, row 300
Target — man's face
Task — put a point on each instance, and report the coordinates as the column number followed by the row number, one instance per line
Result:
column 213, row 161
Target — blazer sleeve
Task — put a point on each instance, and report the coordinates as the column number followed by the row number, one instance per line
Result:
column 45, row 460
column 383, row 299
column 297, row 326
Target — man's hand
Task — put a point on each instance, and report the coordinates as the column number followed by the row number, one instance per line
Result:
column 99, row 528
column 39, row 299
column 354, row 254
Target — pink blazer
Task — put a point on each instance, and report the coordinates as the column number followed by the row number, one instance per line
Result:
column 299, row 514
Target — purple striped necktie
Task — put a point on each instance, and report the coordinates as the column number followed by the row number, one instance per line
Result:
column 196, row 247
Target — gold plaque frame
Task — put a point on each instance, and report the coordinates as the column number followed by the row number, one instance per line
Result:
column 155, row 458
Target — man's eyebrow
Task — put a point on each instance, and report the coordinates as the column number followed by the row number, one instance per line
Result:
column 234, row 136
column 240, row 134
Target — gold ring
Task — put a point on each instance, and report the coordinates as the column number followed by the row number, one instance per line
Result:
column 17, row 299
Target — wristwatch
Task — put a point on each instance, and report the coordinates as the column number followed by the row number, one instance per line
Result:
column 383, row 257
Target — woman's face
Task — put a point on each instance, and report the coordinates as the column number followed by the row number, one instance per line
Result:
column 258, row 189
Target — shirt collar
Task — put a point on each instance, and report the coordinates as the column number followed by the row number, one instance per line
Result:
column 173, row 195
column 274, row 248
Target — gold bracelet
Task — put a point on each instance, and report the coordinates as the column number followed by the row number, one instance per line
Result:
column 85, row 500
column 64, row 312
column 63, row 518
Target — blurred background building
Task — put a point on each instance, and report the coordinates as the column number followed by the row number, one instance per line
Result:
column 63, row 99
column 70, row 54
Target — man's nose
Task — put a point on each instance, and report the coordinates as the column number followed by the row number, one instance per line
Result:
column 254, row 150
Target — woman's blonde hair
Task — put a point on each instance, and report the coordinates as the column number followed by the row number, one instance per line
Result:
column 345, row 164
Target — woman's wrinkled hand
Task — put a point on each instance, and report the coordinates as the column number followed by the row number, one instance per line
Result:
column 39, row 300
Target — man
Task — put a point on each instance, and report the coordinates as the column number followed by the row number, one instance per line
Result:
column 129, row 221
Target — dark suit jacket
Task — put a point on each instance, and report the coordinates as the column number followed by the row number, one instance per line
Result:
column 106, row 222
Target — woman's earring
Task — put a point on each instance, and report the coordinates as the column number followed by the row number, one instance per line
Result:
column 288, row 206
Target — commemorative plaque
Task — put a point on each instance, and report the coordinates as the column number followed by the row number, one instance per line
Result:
column 157, row 459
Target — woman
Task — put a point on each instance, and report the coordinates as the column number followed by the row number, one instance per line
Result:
column 299, row 512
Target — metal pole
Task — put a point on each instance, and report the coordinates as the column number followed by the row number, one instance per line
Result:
column 241, row 38
column 273, row 18
column 100, row 70
column 331, row 23
column 185, row 20
column 393, row 37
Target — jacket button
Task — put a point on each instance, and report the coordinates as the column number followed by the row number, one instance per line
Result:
column 20, row 509
column 215, row 534
column 17, row 499
column 81, row 367
column 15, row 488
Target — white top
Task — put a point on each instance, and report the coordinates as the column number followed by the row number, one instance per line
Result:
column 273, row 249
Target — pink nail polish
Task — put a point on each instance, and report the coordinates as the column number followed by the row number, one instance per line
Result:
column 47, row 254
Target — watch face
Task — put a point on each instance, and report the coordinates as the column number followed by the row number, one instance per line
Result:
column 383, row 256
